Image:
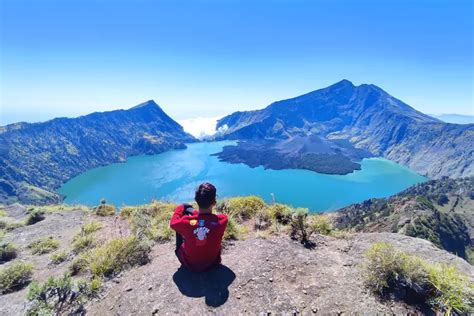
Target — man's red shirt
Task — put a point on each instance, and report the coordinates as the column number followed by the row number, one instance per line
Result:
column 202, row 235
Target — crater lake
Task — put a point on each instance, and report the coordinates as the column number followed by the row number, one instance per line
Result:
column 173, row 176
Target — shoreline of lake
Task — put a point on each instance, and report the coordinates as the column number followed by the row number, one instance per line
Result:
column 173, row 175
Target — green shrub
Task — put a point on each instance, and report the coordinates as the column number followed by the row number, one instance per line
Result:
column 3, row 213
column 300, row 229
column 281, row 213
column 84, row 239
column 79, row 264
column 117, row 255
column 126, row 211
column 141, row 223
column 320, row 224
column 453, row 291
column 7, row 252
column 242, row 208
column 90, row 227
column 152, row 221
column 105, row 210
column 425, row 202
column 233, row 230
column 15, row 277
column 163, row 231
column 3, row 225
column 113, row 257
column 388, row 268
column 58, row 257
column 43, row 245
column 82, row 243
column 263, row 219
column 34, row 217
column 441, row 286
column 60, row 295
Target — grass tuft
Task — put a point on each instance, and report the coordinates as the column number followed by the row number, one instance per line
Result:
column 58, row 257
column 321, row 224
column 263, row 219
column 105, row 210
column 15, row 277
column 281, row 213
column 242, row 208
column 34, row 217
column 43, row 245
column 83, row 242
column 8, row 252
column 116, row 255
column 58, row 296
column 90, row 227
column 443, row 287
column 152, row 221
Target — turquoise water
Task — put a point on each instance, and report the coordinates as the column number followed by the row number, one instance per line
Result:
column 174, row 175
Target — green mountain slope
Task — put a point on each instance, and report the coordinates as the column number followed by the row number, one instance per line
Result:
column 441, row 211
column 37, row 158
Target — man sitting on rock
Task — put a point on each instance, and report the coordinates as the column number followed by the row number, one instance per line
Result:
column 199, row 233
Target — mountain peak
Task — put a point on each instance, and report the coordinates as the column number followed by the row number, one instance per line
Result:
column 342, row 83
column 149, row 103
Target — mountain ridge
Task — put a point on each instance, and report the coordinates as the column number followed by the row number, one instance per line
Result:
column 38, row 157
column 367, row 117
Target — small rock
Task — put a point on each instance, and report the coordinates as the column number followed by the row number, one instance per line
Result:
column 271, row 279
column 150, row 288
column 111, row 308
column 129, row 289
column 305, row 292
column 155, row 311
column 238, row 297
column 314, row 310
column 267, row 259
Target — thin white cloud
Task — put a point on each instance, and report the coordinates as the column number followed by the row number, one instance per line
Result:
column 200, row 127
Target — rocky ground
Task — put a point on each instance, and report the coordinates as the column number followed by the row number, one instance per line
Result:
column 259, row 275
column 275, row 275
column 60, row 225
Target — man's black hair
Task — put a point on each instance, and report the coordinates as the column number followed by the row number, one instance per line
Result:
column 205, row 195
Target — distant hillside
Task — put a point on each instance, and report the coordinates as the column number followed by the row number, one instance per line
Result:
column 441, row 211
column 363, row 117
column 455, row 118
column 37, row 158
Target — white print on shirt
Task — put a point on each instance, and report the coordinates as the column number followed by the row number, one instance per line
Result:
column 201, row 232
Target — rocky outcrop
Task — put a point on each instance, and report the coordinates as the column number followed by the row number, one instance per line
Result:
column 35, row 159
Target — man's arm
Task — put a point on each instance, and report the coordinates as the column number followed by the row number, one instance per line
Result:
column 179, row 221
column 223, row 219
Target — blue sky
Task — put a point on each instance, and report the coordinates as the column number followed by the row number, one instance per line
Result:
column 210, row 58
